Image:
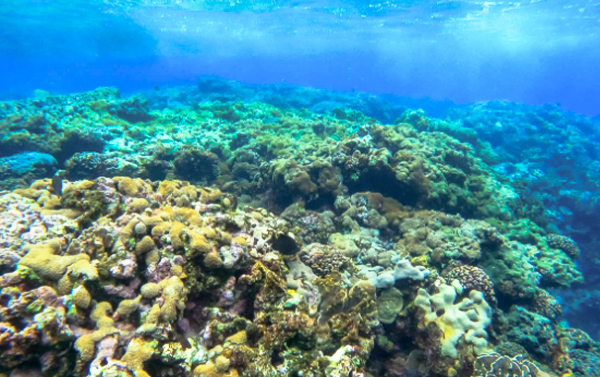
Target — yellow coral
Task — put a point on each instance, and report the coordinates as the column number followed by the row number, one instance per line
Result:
column 80, row 186
column 152, row 257
column 126, row 186
column 52, row 203
column 104, row 323
column 210, row 233
column 177, row 270
column 239, row 338
column 208, row 195
column 154, row 314
column 43, row 260
column 213, row 260
column 177, row 231
column 145, row 245
column 139, row 205
column 81, row 297
column 211, row 370
column 150, row 290
column 137, row 353
column 141, row 373
column 206, row 370
column 190, row 191
column 128, row 231
column 198, row 244
column 65, row 285
column 86, row 347
column 226, row 238
column 183, row 201
column 222, row 363
column 160, row 229
column 173, row 292
column 167, row 188
column 30, row 193
column 151, row 221
column 83, row 267
column 127, row 307
column 240, row 241
column 188, row 216
column 101, row 310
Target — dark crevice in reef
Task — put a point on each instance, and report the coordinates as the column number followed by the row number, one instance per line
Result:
column 74, row 142
column 384, row 182
column 323, row 202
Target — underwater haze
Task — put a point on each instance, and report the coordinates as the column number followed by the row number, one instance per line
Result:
column 299, row 188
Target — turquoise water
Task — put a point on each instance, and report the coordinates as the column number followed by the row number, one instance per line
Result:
column 299, row 188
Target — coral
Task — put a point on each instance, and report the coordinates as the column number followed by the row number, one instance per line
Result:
column 196, row 165
column 385, row 278
column 475, row 278
column 465, row 319
column 563, row 243
column 213, row 260
column 126, row 307
column 126, row 186
column 86, row 347
column 150, row 290
column 137, row 353
column 133, row 110
column 323, row 259
column 510, row 268
column 82, row 297
column 532, row 331
column 138, row 205
column 24, row 168
column 389, row 303
column 547, row 305
column 145, row 245
column 47, row 264
column 32, row 323
column 173, row 292
column 496, row 365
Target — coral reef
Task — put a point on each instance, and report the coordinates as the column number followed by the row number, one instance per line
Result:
column 229, row 231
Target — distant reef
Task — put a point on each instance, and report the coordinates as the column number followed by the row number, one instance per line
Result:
column 231, row 230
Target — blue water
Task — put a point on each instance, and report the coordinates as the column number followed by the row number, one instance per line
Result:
column 533, row 52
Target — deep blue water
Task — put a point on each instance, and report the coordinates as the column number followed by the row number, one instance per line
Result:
column 532, row 52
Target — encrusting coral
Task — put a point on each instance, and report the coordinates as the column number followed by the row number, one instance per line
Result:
column 467, row 318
